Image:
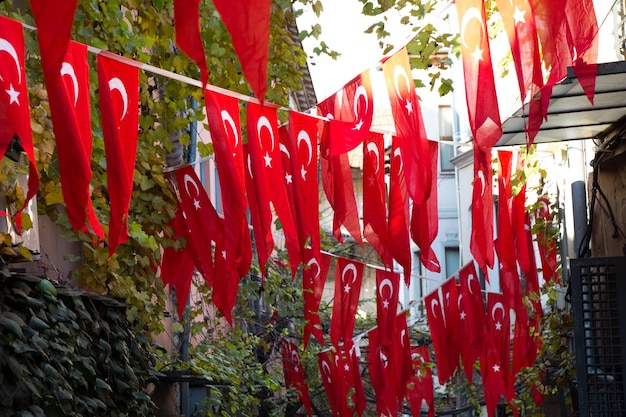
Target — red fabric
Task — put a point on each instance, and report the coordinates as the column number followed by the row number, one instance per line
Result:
column 202, row 220
column 54, row 20
column 313, row 279
column 547, row 246
column 332, row 383
column 226, row 282
column 401, row 356
column 410, row 130
column 303, row 134
column 387, row 290
column 267, row 165
column 14, row 108
column 399, row 221
column 177, row 265
column 472, row 319
column 518, row 218
column 425, row 218
column 480, row 90
column 348, row 278
column 188, row 39
column 348, row 370
column 294, row 372
column 533, row 289
column 420, row 386
column 350, row 112
column 583, row 25
column 248, row 22
column 119, row 109
column 225, row 127
column 293, row 185
column 481, row 239
column 442, row 312
column 260, row 213
column 67, row 83
column 375, row 229
column 499, row 333
column 494, row 385
column 381, row 375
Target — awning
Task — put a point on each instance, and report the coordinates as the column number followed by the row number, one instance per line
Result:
column 570, row 115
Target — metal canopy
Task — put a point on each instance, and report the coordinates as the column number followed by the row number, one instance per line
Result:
column 570, row 115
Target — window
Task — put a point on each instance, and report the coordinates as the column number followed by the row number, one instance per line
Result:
column 452, row 260
column 446, row 127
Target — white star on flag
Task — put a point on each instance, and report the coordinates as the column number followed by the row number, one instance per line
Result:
column 477, row 55
column 268, row 160
column 385, row 303
column 496, row 368
column 409, row 107
column 14, row 95
column 303, row 172
column 346, row 288
column 288, row 178
column 498, row 326
column 518, row 16
column 462, row 315
column 196, row 204
column 224, row 254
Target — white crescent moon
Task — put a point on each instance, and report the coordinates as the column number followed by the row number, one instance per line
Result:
column 398, row 153
column 312, row 262
column 481, row 176
column 371, row 147
column 250, row 167
column 8, row 48
column 187, row 180
column 384, row 359
column 284, row 149
column 458, row 301
column 385, row 283
column 360, row 92
column 497, row 306
column 264, row 123
column 68, row 69
column 400, row 71
column 432, row 307
column 402, row 337
column 303, row 135
column 544, row 203
column 470, row 277
column 117, row 84
column 228, row 121
column 471, row 13
column 327, row 371
column 349, row 267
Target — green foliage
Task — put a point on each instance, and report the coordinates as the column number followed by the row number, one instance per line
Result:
column 64, row 353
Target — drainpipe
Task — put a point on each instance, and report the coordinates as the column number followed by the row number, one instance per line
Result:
column 576, row 158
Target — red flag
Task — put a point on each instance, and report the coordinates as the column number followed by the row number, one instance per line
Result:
column 119, row 108
column 583, row 25
column 472, row 319
column 348, row 370
column 303, row 134
column 313, row 279
column 268, row 172
column 518, row 218
column 410, row 130
column 420, row 386
column 399, row 213
column 68, row 93
column 382, row 375
column 332, row 383
column 375, row 229
column 480, row 90
column 14, row 109
column 188, row 39
column 499, row 333
column 442, row 313
column 387, row 290
column 348, row 277
column 294, row 373
column 248, row 23
column 54, row 20
column 481, row 240
column 225, row 127
column 546, row 245
column 425, row 218
column 177, row 264
column 494, row 385
column 226, row 282
column 350, row 112
column 401, row 356
column 531, row 275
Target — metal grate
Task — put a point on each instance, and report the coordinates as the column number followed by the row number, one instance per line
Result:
column 599, row 306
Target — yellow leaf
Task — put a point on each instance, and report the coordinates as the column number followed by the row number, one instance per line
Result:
column 5, row 239
column 27, row 222
column 7, row 250
column 25, row 252
column 54, row 197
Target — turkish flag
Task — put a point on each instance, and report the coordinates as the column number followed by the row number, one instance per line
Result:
column 494, row 385
column 583, row 25
column 499, row 333
column 314, row 276
column 350, row 112
column 533, row 290
column 399, row 220
column 303, row 136
column 226, row 282
column 330, row 378
column 443, row 317
column 472, row 318
column 410, row 130
column 187, row 35
column 294, row 372
column 54, row 20
column 382, row 375
column 68, row 94
column 248, row 22
column 480, row 89
column 401, row 356
column 119, row 109
column 177, row 264
column 14, row 109
column 375, row 229
column 348, row 278
column 518, row 219
column 425, row 217
column 481, row 239
column 225, row 128
column 348, row 370
column 265, row 150
column 387, row 290
column 420, row 385
column 546, row 244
